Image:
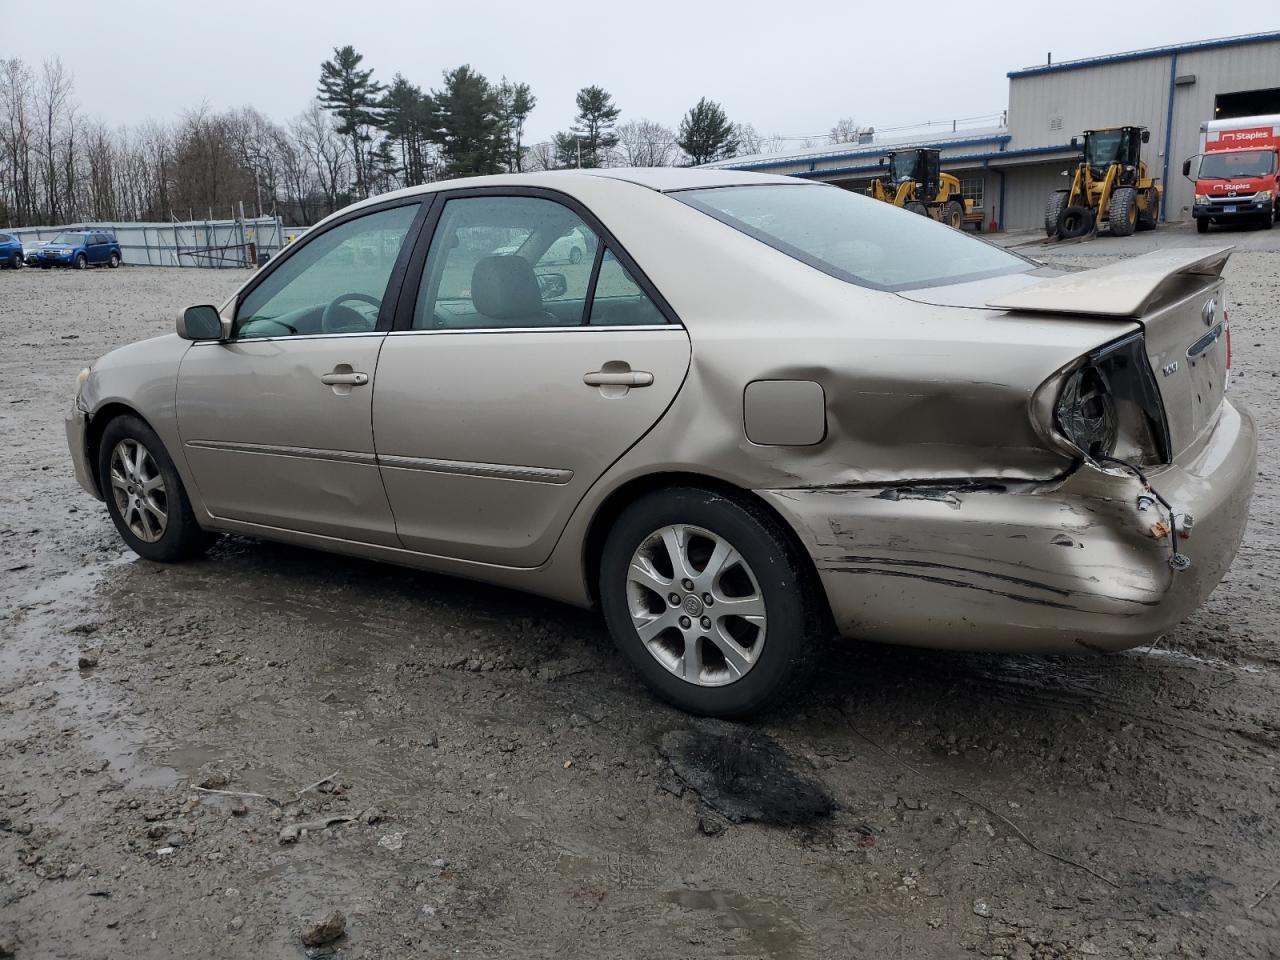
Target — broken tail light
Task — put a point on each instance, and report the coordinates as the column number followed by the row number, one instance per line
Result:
column 1108, row 405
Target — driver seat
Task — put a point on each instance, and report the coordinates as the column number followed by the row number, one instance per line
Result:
column 504, row 288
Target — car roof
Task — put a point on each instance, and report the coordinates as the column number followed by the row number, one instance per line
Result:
column 659, row 179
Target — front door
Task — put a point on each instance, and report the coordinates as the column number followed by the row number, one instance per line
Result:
column 276, row 422
column 523, row 375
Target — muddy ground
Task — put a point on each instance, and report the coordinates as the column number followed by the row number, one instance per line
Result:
column 509, row 778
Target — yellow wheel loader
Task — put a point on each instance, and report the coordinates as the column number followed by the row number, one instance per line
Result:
column 916, row 183
column 1109, row 186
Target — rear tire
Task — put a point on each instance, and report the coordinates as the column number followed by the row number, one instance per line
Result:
column 145, row 495
column 1148, row 218
column 1076, row 221
column 953, row 214
column 1202, row 225
column 575, row 255
column 1122, row 211
column 1053, row 210
column 114, row 261
column 705, row 659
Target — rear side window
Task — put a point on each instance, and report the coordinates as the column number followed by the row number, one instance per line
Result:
column 853, row 237
column 5, row 238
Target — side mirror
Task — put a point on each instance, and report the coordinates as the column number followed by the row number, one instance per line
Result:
column 1075, row 142
column 552, row 285
column 1146, row 136
column 1186, row 167
column 200, row 323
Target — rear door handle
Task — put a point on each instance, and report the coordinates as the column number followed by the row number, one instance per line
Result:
column 345, row 379
column 618, row 378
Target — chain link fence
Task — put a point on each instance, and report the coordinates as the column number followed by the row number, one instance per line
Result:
column 194, row 243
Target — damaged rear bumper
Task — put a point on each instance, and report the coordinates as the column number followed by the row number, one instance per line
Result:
column 1067, row 566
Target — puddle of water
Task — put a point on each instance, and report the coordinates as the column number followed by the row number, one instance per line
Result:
column 771, row 926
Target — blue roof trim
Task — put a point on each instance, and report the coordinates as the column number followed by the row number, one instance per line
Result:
column 877, row 150
column 1148, row 54
column 982, row 158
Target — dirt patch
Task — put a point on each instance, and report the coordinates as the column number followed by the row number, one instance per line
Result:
column 521, row 805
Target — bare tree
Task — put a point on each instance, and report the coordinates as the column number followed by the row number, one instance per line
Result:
column 539, row 157
column 54, row 108
column 645, row 143
column 846, row 130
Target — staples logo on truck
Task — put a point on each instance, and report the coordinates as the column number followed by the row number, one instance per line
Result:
column 1234, row 138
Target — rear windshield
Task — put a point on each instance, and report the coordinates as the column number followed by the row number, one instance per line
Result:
column 853, row 237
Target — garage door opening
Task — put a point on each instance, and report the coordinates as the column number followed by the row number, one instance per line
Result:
column 1246, row 103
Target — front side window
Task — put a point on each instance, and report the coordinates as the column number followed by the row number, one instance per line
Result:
column 498, row 262
column 852, row 237
column 334, row 283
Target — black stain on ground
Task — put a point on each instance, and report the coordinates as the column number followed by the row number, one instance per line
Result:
column 745, row 776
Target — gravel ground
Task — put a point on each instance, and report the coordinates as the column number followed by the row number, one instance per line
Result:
column 503, row 787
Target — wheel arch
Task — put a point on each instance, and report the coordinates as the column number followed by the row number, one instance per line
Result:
column 609, row 509
column 98, row 423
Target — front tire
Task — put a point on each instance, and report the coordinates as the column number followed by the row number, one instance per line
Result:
column 145, row 495
column 1202, row 225
column 710, row 600
column 82, row 262
column 1122, row 212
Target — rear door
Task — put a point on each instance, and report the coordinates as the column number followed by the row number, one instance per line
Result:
column 514, row 379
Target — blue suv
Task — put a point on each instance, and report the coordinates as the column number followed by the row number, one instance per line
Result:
column 10, row 251
column 80, row 249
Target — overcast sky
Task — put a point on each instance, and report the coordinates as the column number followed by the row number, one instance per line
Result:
column 788, row 68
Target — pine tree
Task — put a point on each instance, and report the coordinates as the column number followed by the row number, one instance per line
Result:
column 706, row 133
column 409, row 119
column 469, row 129
column 593, row 126
column 352, row 96
column 515, row 102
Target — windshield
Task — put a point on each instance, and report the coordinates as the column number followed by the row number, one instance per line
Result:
column 71, row 239
column 1237, row 163
column 902, row 167
column 852, row 237
column 1103, row 149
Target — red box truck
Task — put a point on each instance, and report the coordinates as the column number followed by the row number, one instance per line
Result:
column 1239, row 172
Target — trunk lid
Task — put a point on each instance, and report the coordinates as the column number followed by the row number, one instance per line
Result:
column 1177, row 297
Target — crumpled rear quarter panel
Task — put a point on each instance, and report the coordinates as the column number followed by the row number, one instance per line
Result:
column 1043, row 568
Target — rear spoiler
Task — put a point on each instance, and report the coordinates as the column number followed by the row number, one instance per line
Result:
column 1124, row 289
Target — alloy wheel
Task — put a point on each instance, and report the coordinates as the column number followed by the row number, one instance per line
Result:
column 696, row 605
column 137, row 486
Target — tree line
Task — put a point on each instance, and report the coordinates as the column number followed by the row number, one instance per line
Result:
column 357, row 138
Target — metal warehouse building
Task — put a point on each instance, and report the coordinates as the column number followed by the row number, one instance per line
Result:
column 1008, row 171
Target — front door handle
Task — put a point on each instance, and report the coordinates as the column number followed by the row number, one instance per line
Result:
column 345, row 379
column 618, row 378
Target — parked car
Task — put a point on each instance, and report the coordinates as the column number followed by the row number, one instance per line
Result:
column 31, row 252
column 80, row 249
column 773, row 410
column 571, row 248
column 10, row 251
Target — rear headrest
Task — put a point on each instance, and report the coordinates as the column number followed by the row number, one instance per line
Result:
column 504, row 288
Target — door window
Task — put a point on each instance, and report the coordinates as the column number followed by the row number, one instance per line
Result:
column 499, row 262
column 334, row 283
column 619, row 300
